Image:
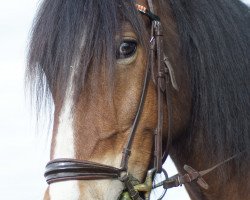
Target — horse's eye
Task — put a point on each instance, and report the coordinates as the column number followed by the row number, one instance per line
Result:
column 126, row 49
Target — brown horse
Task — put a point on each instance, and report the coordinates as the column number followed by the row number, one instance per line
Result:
column 106, row 66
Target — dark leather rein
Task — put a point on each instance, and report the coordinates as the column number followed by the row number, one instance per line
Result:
column 72, row 169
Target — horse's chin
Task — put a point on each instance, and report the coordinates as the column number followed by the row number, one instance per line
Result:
column 82, row 190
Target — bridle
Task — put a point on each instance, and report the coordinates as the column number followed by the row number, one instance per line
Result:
column 72, row 169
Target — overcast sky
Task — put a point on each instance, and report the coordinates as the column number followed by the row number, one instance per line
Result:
column 22, row 153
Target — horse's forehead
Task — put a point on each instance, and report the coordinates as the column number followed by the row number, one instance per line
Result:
column 126, row 26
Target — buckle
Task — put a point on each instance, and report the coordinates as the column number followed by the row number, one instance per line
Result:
column 145, row 188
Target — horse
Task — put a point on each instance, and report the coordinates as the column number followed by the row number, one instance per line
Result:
column 135, row 81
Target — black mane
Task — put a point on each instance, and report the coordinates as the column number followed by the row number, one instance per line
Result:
column 215, row 40
column 79, row 34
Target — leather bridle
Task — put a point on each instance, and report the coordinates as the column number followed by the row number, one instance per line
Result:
column 72, row 169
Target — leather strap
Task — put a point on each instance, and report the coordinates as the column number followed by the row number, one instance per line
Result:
column 161, row 87
column 191, row 175
column 162, row 80
column 71, row 169
column 127, row 149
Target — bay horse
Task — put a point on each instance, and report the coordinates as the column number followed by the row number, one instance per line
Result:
column 135, row 81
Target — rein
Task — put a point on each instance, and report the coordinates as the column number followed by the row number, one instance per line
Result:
column 72, row 169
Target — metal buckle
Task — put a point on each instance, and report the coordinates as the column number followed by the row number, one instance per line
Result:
column 145, row 187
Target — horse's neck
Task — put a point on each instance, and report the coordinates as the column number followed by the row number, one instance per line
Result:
column 233, row 188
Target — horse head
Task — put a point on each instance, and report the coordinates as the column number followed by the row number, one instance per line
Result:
column 128, row 81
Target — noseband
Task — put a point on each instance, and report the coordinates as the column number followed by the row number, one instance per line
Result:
column 72, row 169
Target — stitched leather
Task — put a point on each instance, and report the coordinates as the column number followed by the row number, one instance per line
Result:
column 72, row 169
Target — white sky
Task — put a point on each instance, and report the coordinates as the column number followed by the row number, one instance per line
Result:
column 23, row 154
